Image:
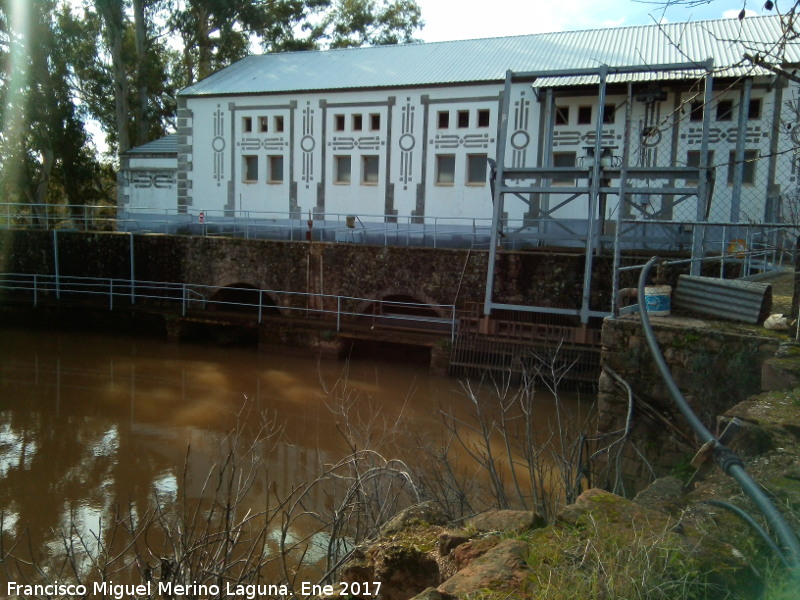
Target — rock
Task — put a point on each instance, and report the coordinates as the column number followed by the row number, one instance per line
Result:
column 426, row 513
column 449, row 540
column 595, row 503
column 468, row 552
column 404, row 558
column 665, row 494
column 770, row 420
column 405, row 573
column 404, row 570
column 433, row 594
column 779, row 374
column 503, row 568
column 515, row 521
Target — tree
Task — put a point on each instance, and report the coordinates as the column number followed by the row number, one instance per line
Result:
column 119, row 63
column 141, row 111
column 217, row 32
column 45, row 152
column 124, row 69
column 369, row 23
column 112, row 12
column 770, row 56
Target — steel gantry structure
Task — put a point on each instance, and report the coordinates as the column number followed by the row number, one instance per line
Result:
column 600, row 174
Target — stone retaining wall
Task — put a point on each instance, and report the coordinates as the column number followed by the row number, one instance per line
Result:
column 716, row 365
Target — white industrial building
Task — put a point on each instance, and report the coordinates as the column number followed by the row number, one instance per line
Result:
column 402, row 135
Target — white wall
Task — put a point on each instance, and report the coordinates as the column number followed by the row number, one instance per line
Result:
column 399, row 128
column 149, row 183
column 408, row 138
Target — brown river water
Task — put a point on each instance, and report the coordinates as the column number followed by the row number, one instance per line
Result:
column 93, row 422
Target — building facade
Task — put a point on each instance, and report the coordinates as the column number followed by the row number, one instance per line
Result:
column 408, row 133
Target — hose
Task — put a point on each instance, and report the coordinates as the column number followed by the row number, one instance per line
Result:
column 726, row 458
column 754, row 525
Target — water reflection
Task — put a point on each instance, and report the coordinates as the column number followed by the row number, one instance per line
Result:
column 92, row 422
column 94, row 428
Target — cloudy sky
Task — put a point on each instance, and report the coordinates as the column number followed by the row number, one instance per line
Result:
column 466, row 19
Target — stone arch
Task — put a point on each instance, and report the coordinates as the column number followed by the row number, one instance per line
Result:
column 403, row 302
column 242, row 297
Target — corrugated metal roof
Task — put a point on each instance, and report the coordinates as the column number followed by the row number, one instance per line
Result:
column 733, row 299
column 642, row 76
column 165, row 145
column 488, row 59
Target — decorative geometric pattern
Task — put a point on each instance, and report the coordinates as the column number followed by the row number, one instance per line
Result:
column 252, row 144
column 444, row 141
column 344, row 143
column 407, row 142
column 307, row 145
column 218, row 145
column 158, row 179
column 753, row 135
column 584, row 138
column 520, row 139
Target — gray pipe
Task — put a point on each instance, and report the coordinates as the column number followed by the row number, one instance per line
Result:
column 726, row 458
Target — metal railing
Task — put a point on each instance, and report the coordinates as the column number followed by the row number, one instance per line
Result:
column 395, row 230
column 249, row 303
column 380, row 229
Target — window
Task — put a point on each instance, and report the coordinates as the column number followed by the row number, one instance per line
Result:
column 262, row 124
column 748, row 167
column 693, row 160
column 374, row 122
column 443, row 119
column 584, row 115
column 562, row 115
column 275, row 169
column 369, row 170
column 608, row 114
column 250, row 169
column 463, row 118
column 247, row 124
column 358, row 122
column 483, row 117
column 277, row 125
column 445, row 169
column 724, row 110
column 754, row 109
column 338, row 122
column 564, row 159
column 476, row 169
column 696, row 113
column 342, row 169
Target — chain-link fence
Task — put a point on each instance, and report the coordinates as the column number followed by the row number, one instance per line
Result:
column 746, row 189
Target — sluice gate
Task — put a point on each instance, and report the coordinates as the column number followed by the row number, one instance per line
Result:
column 515, row 346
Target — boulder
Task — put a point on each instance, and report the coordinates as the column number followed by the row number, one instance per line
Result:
column 426, row 513
column 449, row 540
column 433, row 594
column 473, row 549
column 516, row 521
column 502, row 569
column 404, row 558
column 666, row 494
column 403, row 567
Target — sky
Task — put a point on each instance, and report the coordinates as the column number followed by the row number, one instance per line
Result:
column 467, row 19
